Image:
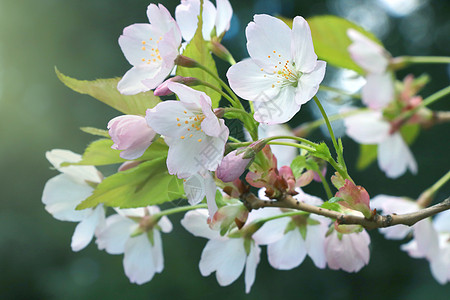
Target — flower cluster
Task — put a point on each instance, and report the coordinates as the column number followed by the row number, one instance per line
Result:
column 185, row 146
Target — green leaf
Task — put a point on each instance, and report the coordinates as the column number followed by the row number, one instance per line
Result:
column 335, row 200
column 329, row 34
column 198, row 50
column 95, row 131
column 322, row 151
column 106, row 91
column 298, row 165
column 367, row 154
column 99, row 153
column 331, row 206
column 410, row 132
column 146, row 184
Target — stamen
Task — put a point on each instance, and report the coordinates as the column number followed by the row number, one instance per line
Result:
column 199, row 140
column 182, row 137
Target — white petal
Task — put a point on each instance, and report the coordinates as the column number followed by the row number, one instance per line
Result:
column 250, row 266
column 271, row 231
column 195, row 221
column 195, row 189
column 442, row 221
column 188, row 95
column 427, row 238
column 251, row 82
column 315, row 243
column 210, row 192
column 412, row 249
column 394, row 156
column 163, row 119
column 78, row 173
column 367, row 127
column 131, row 82
column 378, row 91
column 157, row 251
column 226, row 257
column 223, row 17
column 165, row 224
column 114, row 234
column 61, row 195
column 265, row 35
column 131, row 43
column 308, row 84
column 440, row 268
column 138, row 261
column 302, row 48
column 186, row 15
column 287, row 253
column 279, row 110
column 85, row 229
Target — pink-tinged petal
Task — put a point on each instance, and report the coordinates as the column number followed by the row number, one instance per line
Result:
column 210, row 193
column 366, row 53
column 412, row 249
column 315, row 242
column 114, row 234
column 308, row 84
column 252, row 82
column 378, row 91
column 226, row 257
column 196, row 222
column 271, row 231
column 302, row 48
column 131, row 134
column 440, row 267
column 284, row 154
column 427, row 238
column 160, row 17
column 187, row 13
column 307, row 198
column 131, row 82
column 157, row 251
column 165, row 117
column 279, row 110
column 394, row 156
column 223, row 17
column 355, row 197
column 232, row 166
column 367, row 127
column 61, row 195
column 210, row 125
column 250, row 266
column 85, row 229
column 266, row 35
column 287, row 253
column 79, row 174
column 350, row 254
column 188, row 95
column 138, row 261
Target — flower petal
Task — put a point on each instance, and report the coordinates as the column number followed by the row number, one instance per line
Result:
column 157, row 251
column 131, row 82
column 394, row 156
column 367, row 127
column 315, row 242
column 287, row 253
column 308, row 84
column 223, row 16
column 250, row 266
column 378, row 91
column 114, row 234
column 195, row 221
column 302, row 48
column 138, row 261
column 85, row 229
column 279, row 110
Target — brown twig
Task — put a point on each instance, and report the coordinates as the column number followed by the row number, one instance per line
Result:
column 376, row 221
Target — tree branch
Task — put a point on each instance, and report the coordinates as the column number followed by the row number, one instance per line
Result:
column 376, row 221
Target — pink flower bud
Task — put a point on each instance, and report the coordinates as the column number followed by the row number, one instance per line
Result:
column 286, row 173
column 131, row 134
column 355, row 197
column 163, row 89
column 232, row 166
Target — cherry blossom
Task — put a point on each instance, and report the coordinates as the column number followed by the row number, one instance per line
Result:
column 196, row 137
column 225, row 255
column 134, row 233
column 64, row 192
column 394, row 156
column 283, row 71
column 219, row 18
column 131, row 134
column 374, row 59
column 151, row 49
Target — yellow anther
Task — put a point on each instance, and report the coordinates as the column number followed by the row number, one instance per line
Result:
column 154, row 59
column 185, row 122
column 199, row 140
column 189, row 129
column 273, row 85
column 178, row 119
column 190, row 135
column 185, row 112
column 178, row 124
column 151, row 39
column 262, row 69
column 274, row 51
column 143, row 48
column 143, row 59
column 268, row 56
column 182, row 137
column 143, row 42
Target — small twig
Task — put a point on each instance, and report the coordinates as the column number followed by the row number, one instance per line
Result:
column 377, row 221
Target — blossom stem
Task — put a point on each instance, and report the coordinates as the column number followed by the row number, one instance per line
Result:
column 338, row 91
column 279, row 216
column 217, row 90
column 175, row 210
column 309, row 149
column 427, row 196
column 403, row 61
column 292, row 138
column 325, row 185
column 234, row 139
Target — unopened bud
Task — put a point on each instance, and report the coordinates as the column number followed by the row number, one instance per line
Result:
column 185, row 61
column 232, row 166
column 221, row 52
column 163, row 88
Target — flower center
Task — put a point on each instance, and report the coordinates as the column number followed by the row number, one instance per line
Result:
column 191, row 123
column 284, row 72
column 150, row 51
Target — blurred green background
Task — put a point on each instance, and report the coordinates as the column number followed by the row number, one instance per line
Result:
column 38, row 113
